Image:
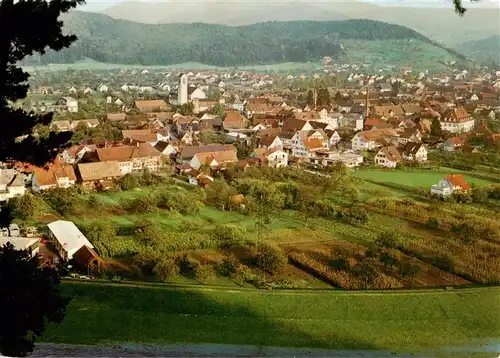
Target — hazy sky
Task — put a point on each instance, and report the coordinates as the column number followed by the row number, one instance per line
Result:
column 99, row 5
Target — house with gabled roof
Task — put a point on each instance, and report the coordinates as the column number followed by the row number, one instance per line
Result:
column 414, row 152
column 11, row 184
column 450, row 184
column 98, row 175
column 388, row 157
column 452, row 144
column 56, row 175
column 214, row 160
column 457, row 120
column 136, row 158
column 369, row 140
column 270, row 141
column 273, row 157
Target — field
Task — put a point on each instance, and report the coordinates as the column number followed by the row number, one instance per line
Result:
column 410, row 321
column 422, row 179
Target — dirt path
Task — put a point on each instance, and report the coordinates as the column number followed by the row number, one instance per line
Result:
column 197, row 350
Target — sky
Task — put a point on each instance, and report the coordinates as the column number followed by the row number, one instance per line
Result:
column 100, row 5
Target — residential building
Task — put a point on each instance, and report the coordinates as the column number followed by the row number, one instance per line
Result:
column 98, row 175
column 388, row 157
column 304, row 144
column 452, row 144
column 132, row 159
column 186, row 154
column 271, row 141
column 56, row 175
column 11, row 184
column 75, row 153
column 457, row 120
column 272, row 157
column 415, row 152
column 454, row 183
column 151, row 106
column 369, row 140
column 141, row 135
column 214, row 160
column 68, row 104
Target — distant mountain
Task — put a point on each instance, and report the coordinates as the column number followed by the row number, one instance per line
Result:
column 486, row 50
column 105, row 39
column 441, row 24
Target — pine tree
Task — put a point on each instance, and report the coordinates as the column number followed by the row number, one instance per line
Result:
column 310, row 98
column 27, row 27
column 323, row 97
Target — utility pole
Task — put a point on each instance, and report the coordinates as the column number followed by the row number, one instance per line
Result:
column 367, row 103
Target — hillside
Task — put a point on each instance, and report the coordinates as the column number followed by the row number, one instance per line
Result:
column 104, row 39
column 441, row 24
column 486, row 50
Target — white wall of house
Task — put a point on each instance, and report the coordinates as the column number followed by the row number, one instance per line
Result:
column 382, row 160
column 359, row 144
column 278, row 159
column 444, row 188
column 461, row 127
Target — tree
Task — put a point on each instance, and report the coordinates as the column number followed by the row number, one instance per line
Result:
column 29, row 298
column 310, row 98
column 16, row 42
column 323, row 97
column 187, row 109
column 271, row 259
column 436, row 128
column 218, row 110
column 166, row 269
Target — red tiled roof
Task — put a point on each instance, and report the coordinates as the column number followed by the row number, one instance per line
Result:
column 458, row 180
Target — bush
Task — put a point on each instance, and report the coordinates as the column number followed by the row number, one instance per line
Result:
column 479, row 195
column 353, row 215
column 24, row 206
column 188, row 266
column 184, row 203
column 148, row 233
column 94, row 202
column 62, row 200
column 229, row 266
column 271, row 259
column 166, row 269
column 409, row 268
column 128, row 182
column 432, row 224
column 204, row 273
column 228, row 235
column 140, row 205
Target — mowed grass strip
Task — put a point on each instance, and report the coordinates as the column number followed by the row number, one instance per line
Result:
column 423, row 179
column 401, row 321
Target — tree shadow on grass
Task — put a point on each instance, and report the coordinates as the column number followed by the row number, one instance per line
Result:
column 114, row 314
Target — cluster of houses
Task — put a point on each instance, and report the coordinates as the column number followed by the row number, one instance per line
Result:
column 368, row 114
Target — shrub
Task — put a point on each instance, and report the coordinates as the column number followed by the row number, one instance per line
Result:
column 140, row 205
column 94, row 202
column 188, row 266
column 353, row 215
column 148, row 233
column 166, row 269
column 229, row 266
column 432, row 223
column 204, row 273
column 62, row 200
column 184, row 203
column 228, row 235
column 409, row 268
column 128, row 182
column 24, row 206
column 271, row 259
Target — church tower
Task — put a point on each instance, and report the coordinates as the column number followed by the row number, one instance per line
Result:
column 182, row 90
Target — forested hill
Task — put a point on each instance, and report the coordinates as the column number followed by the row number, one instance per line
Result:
column 105, row 39
column 486, row 50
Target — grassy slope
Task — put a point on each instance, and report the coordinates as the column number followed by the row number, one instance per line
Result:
column 416, row 179
column 402, row 321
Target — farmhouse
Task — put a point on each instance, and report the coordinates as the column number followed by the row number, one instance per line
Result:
column 157, row 105
column 415, row 152
column 98, row 175
column 273, row 157
column 214, row 160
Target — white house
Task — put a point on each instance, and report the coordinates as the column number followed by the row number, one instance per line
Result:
column 196, row 93
column 11, row 184
column 369, row 140
column 56, row 176
column 67, row 238
column 415, row 152
column 388, row 157
column 68, row 103
column 74, row 154
column 213, row 159
column 273, row 157
column 457, row 120
column 304, row 144
column 22, row 243
column 271, row 141
column 102, row 88
column 450, row 184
